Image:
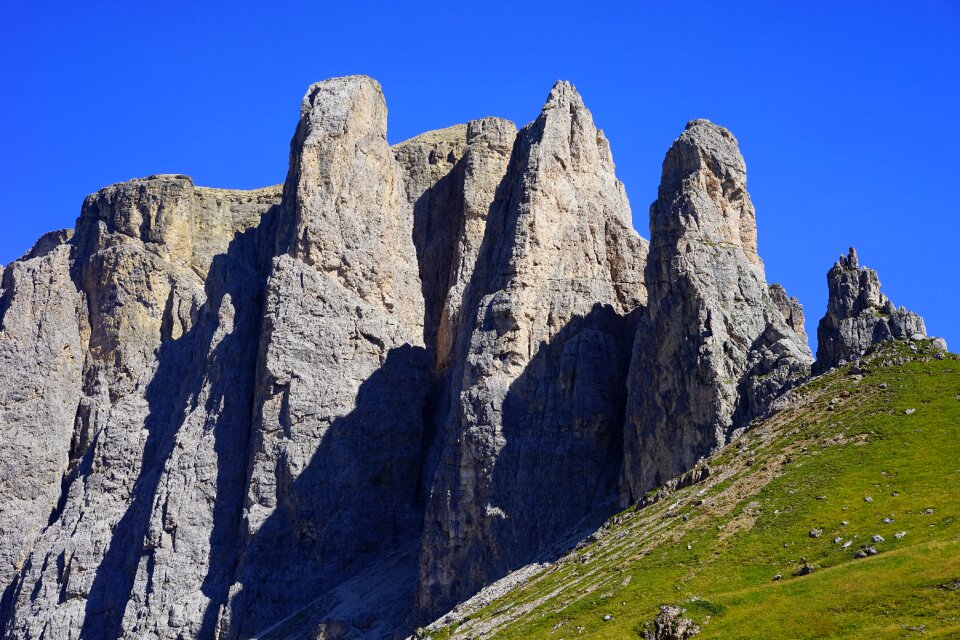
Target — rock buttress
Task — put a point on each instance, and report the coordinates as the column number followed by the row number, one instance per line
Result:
column 530, row 444
column 141, row 540
column 713, row 350
column 342, row 373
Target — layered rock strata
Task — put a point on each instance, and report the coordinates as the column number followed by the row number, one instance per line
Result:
column 859, row 315
column 713, row 349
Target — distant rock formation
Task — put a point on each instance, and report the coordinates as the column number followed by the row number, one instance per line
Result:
column 713, row 349
column 859, row 315
column 340, row 406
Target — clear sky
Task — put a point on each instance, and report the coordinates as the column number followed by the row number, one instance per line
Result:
column 848, row 113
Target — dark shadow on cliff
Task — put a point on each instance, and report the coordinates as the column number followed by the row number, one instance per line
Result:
column 557, row 472
column 555, row 479
column 354, row 505
column 187, row 365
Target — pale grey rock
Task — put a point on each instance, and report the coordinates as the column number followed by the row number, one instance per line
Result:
column 713, row 350
column 859, row 315
column 790, row 308
column 155, row 475
column 530, row 444
column 669, row 624
column 342, row 377
column 490, row 143
column 433, row 175
column 43, row 334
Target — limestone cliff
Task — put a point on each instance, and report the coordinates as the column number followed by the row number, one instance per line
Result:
column 530, row 444
column 340, row 406
column 159, row 417
column 713, row 349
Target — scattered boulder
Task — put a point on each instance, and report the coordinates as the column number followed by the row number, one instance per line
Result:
column 670, row 625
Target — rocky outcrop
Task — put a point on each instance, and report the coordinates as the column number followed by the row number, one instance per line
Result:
column 790, row 308
column 340, row 406
column 713, row 350
column 859, row 315
column 342, row 378
column 530, row 445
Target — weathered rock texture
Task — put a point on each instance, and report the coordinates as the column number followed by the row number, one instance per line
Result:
column 713, row 350
column 791, row 309
column 155, row 465
column 336, row 408
column 530, row 445
column 858, row 315
column 42, row 338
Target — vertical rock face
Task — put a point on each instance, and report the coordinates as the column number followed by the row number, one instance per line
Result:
column 338, row 424
column 713, row 350
column 146, row 473
column 790, row 308
column 858, row 315
column 165, row 269
column 341, row 406
column 42, row 337
column 530, row 443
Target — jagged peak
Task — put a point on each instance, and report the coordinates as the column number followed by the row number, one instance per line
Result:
column 339, row 106
column 703, row 191
column 850, row 261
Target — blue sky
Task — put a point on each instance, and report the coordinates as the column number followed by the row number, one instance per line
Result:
column 848, row 113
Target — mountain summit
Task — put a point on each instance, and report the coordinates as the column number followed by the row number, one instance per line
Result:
column 339, row 407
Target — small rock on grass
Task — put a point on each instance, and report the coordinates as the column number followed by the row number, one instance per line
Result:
column 899, row 534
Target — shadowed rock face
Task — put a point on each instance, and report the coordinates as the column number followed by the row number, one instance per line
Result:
column 530, row 441
column 153, row 469
column 859, row 315
column 713, row 350
column 339, row 407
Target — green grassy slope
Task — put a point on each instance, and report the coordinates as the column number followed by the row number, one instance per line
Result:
column 715, row 547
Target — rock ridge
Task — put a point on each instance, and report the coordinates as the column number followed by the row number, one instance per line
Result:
column 340, row 406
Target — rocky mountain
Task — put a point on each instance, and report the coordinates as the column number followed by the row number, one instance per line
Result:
column 341, row 406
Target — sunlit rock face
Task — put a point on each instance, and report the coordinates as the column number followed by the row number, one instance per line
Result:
column 713, row 349
column 156, row 318
column 530, row 441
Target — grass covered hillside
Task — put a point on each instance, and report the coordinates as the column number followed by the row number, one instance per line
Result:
column 863, row 459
